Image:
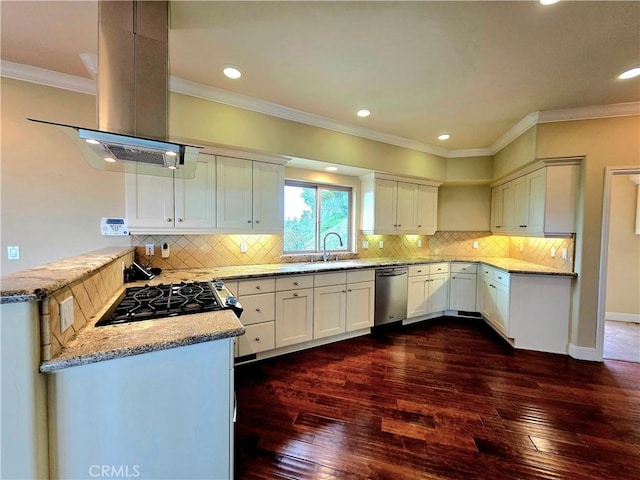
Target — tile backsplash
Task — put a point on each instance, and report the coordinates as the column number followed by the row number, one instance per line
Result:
column 197, row 251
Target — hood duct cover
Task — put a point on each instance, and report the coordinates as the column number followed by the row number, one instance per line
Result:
column 132, row 94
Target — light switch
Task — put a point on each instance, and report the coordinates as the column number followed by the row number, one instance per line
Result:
column 475, row 244
column 365, row 244
column 13, row 253
column 565, row 253
column 380, row 244
column 243, row 247
column 553, row 252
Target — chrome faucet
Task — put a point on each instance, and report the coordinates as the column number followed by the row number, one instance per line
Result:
column 325, row 255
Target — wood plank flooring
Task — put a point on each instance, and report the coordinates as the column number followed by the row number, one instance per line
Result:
column 447, row 399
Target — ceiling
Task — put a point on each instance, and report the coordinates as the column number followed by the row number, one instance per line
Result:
column 473, row 69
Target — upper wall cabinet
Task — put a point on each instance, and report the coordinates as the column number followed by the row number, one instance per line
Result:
column 250, row 196
column 397, row 205
column 160, row 204
column 539, row 202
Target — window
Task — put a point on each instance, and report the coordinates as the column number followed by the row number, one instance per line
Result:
column 310, row 212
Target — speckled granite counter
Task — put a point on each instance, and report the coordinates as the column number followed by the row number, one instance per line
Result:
column 251, row 271
column 96, row 344
column 37, row 283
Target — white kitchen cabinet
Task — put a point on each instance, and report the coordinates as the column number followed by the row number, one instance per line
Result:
column 427, row 209
column 250, row 196
column 462, row 288
column 343, row 302
column 294, row 310
column 496, row 298
column 427, row 289
column 393, row 205
column 167, row 204
column 258, row 300
column 165, row 414
column 540, row 202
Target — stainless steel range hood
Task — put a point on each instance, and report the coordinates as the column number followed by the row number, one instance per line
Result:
column 132, row 94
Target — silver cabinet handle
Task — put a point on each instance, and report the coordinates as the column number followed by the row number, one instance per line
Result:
column 399, row 225
column 168, row 219
column 349, row 290
column 295, row 294
column 257, row 221
column 257, row 309
column 248, row 221
column 257, row 287
column 295, row 283
column 257, row 339
column 419, row 226
column 179, row 220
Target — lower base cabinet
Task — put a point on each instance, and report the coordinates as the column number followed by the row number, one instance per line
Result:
column 294, row 317
column 160, row 415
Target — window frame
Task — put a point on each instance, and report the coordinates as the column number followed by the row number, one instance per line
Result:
column 318, row 188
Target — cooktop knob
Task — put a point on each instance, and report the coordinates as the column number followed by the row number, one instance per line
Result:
column 232, row 301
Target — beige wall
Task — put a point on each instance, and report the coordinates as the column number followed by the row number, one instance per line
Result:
column 623, row 274
column 463, row 209
column 469, row 170
column 199, row 120
column 52, row 200
column 517, row 154
column 603, row 142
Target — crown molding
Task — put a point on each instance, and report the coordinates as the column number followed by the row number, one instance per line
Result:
column 590, row 113
column 64, row 81
column 49, row 78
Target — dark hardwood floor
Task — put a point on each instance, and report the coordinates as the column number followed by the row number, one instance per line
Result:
column 443, row 400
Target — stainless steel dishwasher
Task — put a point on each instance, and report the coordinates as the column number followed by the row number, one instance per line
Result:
column 391, row 295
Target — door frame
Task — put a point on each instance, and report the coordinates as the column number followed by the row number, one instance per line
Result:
column 609, row 173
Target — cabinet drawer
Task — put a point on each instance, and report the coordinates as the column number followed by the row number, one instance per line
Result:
column 258, row 308
column 464, row 267
column 262, row 285
column 501, row 277
column 293, row 283
column 415, row 270
column 354, row 276
column 324, row 279
column 257, row 338
column 439, row 267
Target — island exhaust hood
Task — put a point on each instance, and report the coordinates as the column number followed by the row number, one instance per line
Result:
column 132, row 95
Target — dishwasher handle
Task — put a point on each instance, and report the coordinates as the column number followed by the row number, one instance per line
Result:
column 390, row 274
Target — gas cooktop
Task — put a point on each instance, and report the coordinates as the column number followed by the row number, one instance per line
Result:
column 160, row 301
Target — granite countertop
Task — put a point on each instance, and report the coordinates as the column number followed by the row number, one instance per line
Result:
column 252, row 271
column 96, row 344
column 37, row 283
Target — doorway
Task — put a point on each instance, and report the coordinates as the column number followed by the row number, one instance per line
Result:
column 618, row 335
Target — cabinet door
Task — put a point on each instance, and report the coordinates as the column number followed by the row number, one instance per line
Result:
column 294, row 317
column 438, row 292
column 417, row 295
column 496, row 210
column 268, row 197
column 234, row 181
column 386, row 197
column 536, row 189
column 427, row 209
column 520, row 188
column 488, row 298
column 501, row 312
column 329, row 310
column 462, row 294
column 407, row 208
column 360, row 304
column 149, row 201
column 195, row 198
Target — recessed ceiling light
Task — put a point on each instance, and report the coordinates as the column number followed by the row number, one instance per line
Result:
column 548, row 2
column 232, row 72
column 631, row 73
column 444, row 136
column 331, row 169
column 363, row 112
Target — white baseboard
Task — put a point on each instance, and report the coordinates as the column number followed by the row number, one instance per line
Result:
column 623, row 317
column 584, row 353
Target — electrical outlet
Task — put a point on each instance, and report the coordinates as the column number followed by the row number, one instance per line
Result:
column 419, row 243
column 365, row 244
column 475, row 244
column 522, row 247
column 565, row 253
column 66, row 314
column 243, row 247
column 165, row 250
column 553, row 252
column 380, row 244
column 149, row 249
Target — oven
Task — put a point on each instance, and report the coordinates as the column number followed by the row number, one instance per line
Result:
column 150, row 302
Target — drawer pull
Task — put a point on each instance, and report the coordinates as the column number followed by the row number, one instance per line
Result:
column 257, row 287
column 248, row 221
column 439, row 269
column 179, row 220
column 257, row 309
column 295, row 283
column 168, row 219
column 257, row 339
column 257, row 221
column 295, row 294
